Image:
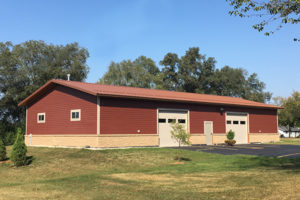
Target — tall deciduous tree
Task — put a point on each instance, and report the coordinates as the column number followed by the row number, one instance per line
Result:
column 290, row 114
column 27, row 66
column 192, row 72
column 270, row 11
column 141, row 72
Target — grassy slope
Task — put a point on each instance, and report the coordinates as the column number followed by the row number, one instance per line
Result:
column 148, row 174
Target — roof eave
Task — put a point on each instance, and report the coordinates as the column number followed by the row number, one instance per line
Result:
column 187, row 101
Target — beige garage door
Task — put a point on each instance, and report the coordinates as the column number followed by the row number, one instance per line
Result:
column 238, row 123
column 165, row 119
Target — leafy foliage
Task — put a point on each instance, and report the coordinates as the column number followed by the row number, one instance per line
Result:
column 230, row 138
column 193, row 72
column 2, row 151
column 180, row 135
column 141, row 72
column 19, row 150
column 279, row 11
column 290, row 115
column 27, row 66
column 230, row 135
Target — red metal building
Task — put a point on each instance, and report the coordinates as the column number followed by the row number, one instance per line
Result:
column 69, row 113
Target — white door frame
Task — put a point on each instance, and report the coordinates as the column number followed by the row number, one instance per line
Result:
column 248, row 122
column 209, row 134
column 172, row 109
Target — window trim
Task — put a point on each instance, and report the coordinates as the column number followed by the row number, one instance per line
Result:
column 41, row 121
column 75, row 119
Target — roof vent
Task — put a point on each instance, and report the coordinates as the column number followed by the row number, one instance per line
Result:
column 68, row 75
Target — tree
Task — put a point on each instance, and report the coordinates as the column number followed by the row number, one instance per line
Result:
column 279, row 11
column 19, row 150
column 290, row 114
column 192, row 72
column 27, row 66
column 2, row 151
column 255, row 90
column 228, row 81
column 180, row 135
column 142, row 72
column 169, row 73
column 195, row 73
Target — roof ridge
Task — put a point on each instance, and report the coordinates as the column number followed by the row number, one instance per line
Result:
column 147, row 93
column 132, row 87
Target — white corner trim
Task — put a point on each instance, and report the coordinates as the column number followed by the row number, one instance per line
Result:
column 98, row 115
column 26, row 122
column 75, row 119
column 37, row 119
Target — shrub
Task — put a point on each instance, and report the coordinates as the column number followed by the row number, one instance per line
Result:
column 230, row 142
column 19, row 150
column 230, row 135
column 10, row 138
column 2, row 151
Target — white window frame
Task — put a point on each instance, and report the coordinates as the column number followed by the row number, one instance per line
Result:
column 75, row 119
column 41, row 121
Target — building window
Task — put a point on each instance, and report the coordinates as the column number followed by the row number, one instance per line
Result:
column 228, row 122
column 161, row 120
column 171, row 120
column 75, row 115
column 243, row 122
column 41, row 118
column 235, row 122
column 181, row 121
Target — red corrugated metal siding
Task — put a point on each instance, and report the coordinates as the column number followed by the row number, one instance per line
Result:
column 57, row 104
column 199, row 114
column 263, row 121
column 126, row 116
column 121, row 116
column 260, row 120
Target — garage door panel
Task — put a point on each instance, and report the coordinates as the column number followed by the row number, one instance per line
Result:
column 237, row 122
column 165, row 120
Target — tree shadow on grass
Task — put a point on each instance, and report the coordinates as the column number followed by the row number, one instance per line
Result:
column 291, row 164
column 29, row 160
column 182, row 159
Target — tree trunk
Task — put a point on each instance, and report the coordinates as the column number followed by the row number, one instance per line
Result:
column 179, row 152
column 289, row 131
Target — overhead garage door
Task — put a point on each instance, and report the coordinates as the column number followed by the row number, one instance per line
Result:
column 238, row 123
column 165, row 119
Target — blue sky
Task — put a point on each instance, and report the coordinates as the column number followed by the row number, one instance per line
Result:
column 114, row 30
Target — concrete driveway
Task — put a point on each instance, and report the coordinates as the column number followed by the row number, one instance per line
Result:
column 280, row 151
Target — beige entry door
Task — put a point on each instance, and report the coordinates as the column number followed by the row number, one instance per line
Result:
column 238, row 123
column 165, row 119
column 208, row 132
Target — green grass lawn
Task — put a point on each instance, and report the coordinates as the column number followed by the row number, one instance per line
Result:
column 293, row 141
column 148, row 173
